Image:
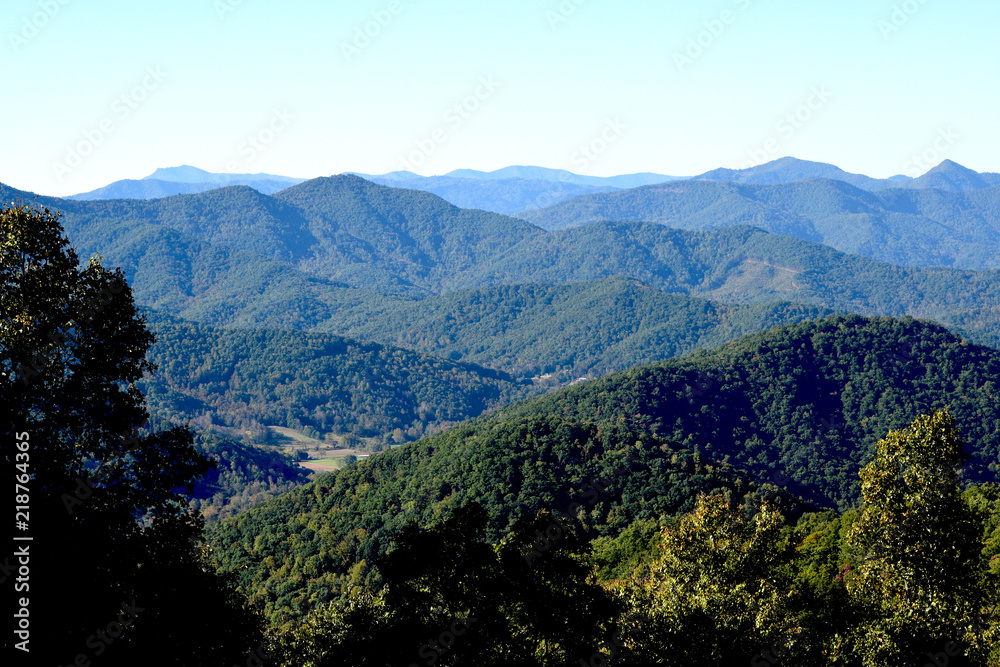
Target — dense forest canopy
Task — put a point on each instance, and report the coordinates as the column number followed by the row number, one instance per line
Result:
column 796, row 410
column 912, row 226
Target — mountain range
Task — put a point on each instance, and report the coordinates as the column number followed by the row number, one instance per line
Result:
column 415, row 285
column 350, row 257
column 183, row 180
column 520, row 189
column 909, row 226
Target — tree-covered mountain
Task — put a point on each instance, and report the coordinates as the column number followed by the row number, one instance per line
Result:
column 917, row 227
column 806, row 401
column 954, row 177
column 790, row 169
column 508, row 196
column 248, row 378
column 799, row 406
column 506, row 191
column 188, row 174
column 568, row 330
column 185, row 179
column 341, row 228
column 154, row 188
column 747, row 265
column 948, row 175
column 150, row 188
column 307, row 547
column 371, row 235
column 221, row 276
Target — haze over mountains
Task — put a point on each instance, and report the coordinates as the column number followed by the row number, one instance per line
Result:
column 910, row 226
column 184, row 180
column 519, row 189
column 947, row 217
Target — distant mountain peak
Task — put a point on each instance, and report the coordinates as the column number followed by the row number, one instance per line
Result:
column 789, row 169
column 185, row 173
column 950, row 166
column 562, row 176
column 950, row 175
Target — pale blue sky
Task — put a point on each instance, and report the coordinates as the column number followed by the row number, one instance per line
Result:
column 278, row 71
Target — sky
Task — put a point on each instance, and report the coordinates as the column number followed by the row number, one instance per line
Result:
column 101, row 90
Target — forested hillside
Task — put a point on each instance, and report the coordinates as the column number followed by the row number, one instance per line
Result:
column 806, row 401
column 249, row 378
column 744, row 264
column 341, row 228
column 799, row 407
column 219, row 285
column 524, row 331
column 311, row 545
column 570, row 330
column 225, row 284
column 916, row 227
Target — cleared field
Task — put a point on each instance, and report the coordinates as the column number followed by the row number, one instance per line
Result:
column 283, row 436
column 322, row 465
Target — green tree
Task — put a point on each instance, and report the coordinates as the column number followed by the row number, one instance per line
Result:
column 717, row 594
column 917, row 573
column 113, row 540
column 451, row 598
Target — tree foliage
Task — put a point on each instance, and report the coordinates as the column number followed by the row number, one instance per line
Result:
column 109, row 524
column 452, row 598
column 918, row 547
column 717, row 592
